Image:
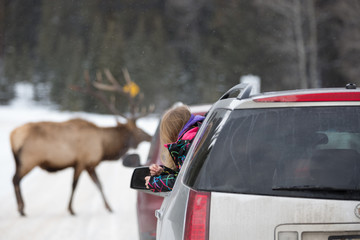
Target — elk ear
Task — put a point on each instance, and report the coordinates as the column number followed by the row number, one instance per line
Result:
column 131, row 123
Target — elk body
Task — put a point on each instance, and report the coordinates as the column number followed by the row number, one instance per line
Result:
column 75, row 143
column 78, row 143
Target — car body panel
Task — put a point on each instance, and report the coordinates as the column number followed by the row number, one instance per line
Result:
column 172, row 224
column 242, row 216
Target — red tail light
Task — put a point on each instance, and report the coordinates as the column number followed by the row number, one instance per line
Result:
column 313, row 97
column 197, row 216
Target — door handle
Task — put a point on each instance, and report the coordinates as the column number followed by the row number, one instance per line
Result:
column 158, row 214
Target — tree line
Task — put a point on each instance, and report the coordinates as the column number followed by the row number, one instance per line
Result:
column 190, row 51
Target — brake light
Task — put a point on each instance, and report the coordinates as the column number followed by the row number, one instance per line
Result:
column 313, row 97
column 197, row 216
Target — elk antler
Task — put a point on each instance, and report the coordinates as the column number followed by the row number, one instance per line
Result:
column 114, row 87
column 131, row 90
column 110, row 105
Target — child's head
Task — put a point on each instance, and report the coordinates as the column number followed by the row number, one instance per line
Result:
column 172, row 122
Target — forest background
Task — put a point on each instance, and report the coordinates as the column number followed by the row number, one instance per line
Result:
column 176, row 50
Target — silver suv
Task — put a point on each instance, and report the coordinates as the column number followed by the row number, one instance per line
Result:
column 281, row 165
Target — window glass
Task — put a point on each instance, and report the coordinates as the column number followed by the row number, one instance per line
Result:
column 309, row 152
column 209, row 134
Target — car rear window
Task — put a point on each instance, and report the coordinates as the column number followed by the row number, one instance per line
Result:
column 305, row 152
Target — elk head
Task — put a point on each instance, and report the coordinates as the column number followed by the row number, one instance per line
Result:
column 138, row 136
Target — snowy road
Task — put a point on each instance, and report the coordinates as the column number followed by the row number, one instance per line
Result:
column 46, row 195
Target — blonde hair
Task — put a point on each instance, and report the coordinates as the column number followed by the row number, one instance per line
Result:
column 171, row 124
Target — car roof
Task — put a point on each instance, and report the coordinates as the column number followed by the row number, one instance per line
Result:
column 239, row 97
column 200, row 108
column 242, row 91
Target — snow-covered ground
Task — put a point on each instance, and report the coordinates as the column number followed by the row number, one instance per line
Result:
column 46, row 195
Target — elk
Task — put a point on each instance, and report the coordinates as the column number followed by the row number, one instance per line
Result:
column 75, row 143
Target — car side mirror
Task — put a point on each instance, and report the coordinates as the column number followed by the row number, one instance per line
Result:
column 131, row 160
column 138, row 181
column 138, row 178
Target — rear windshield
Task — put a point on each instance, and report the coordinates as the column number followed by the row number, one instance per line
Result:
column 304, row 152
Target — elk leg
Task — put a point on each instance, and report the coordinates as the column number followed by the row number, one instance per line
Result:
column 19, row 199
column 92, row 173
column 77, row 172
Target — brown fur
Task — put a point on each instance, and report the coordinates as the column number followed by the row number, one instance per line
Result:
column 75, row 143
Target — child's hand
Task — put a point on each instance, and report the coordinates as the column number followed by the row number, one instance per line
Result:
column 155, row 169
column 147, row 179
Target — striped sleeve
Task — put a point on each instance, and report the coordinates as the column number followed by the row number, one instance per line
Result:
column 162, row 183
